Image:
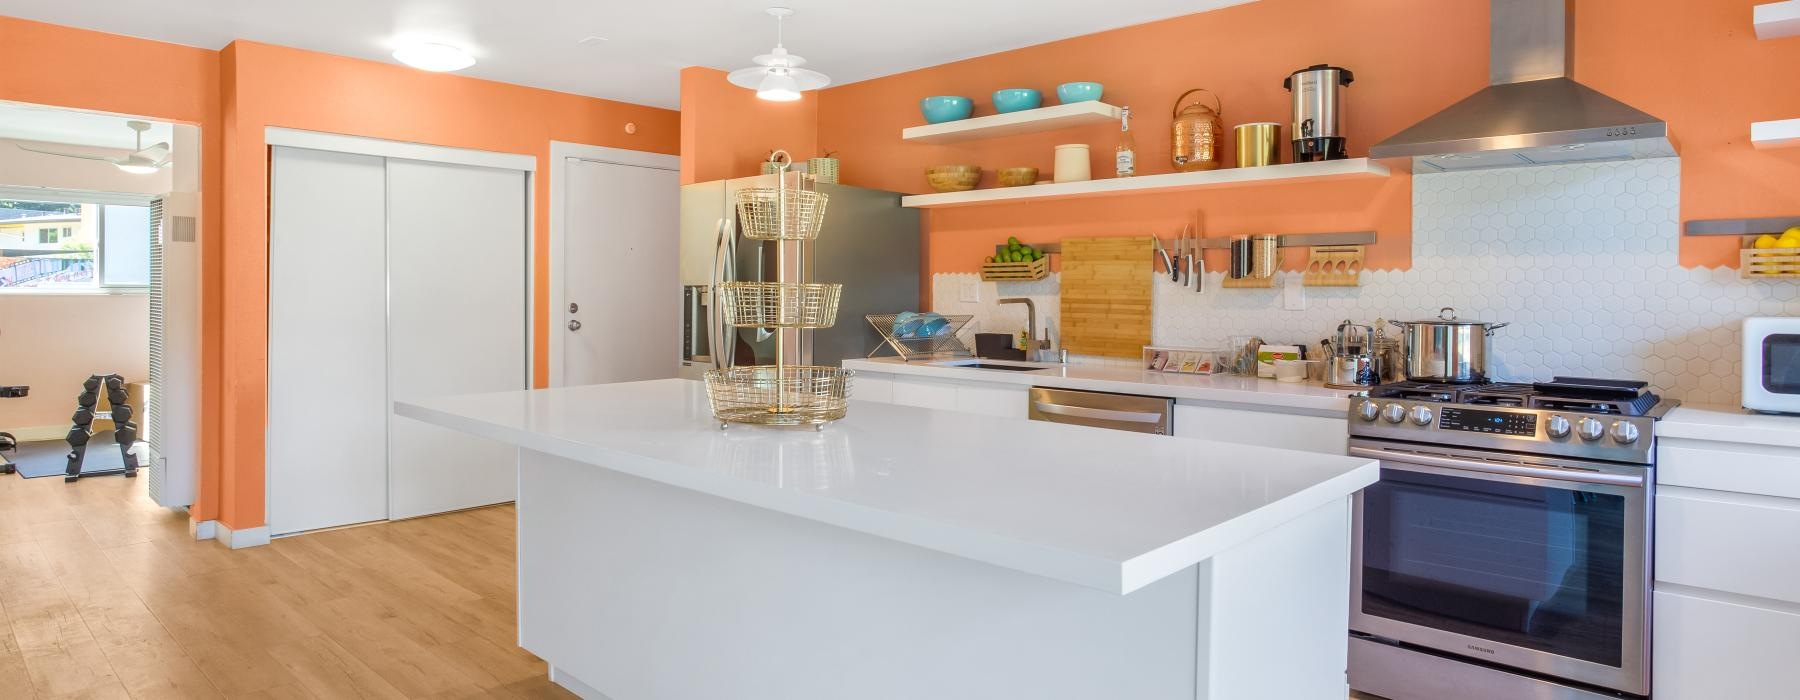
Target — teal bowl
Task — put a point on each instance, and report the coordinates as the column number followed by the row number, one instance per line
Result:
column 1079, row 92
column 1017, row 99
column 946, row 108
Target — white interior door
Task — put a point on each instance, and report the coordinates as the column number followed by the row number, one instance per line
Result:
column 328, row 413
column 621, row 320
column 457, row 324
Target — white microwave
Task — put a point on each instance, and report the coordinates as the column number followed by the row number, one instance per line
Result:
column 1772, row 365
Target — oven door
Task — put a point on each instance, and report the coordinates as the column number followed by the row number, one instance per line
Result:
column 1538, row 564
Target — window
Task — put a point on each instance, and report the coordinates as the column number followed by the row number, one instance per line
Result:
column 75, row 245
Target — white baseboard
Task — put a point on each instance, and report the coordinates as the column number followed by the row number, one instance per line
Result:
column 204, row 529
column 574, row 685
column 46, row 433
column 239, row 539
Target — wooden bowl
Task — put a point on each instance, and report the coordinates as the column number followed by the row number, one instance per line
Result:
column 953, row 178
column 1015, row 177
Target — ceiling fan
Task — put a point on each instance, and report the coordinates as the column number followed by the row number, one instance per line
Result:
column 142, row 161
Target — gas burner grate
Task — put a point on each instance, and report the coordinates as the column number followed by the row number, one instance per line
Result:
column 1565, row 395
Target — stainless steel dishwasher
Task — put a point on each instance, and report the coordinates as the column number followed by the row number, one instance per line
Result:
column 1130, row 412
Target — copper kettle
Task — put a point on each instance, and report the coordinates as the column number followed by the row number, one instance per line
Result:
column 1198, row 130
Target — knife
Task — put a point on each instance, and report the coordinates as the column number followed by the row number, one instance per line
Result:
column 1163, row 252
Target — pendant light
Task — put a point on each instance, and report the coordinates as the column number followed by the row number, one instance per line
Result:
column 778, row 76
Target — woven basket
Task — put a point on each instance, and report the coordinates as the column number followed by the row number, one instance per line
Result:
column 780, row 304
column 786, row 395
column 759, row 210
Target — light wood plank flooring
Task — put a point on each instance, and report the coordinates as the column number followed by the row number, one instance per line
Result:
column 103, row 594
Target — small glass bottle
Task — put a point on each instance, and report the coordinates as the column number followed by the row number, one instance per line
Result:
column 1126, row 154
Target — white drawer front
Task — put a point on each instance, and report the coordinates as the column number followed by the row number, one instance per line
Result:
column 1744, row 469
column 1711, row 650
column 871, row 386
column 1305, row 433
column 1004, row 400
column 1727, row 542
column 924, row 393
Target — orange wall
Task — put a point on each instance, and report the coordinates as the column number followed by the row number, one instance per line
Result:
column 1411, row 58
column 1700, row 66
column 278, row 86
column 727, row 132
column 52, row 65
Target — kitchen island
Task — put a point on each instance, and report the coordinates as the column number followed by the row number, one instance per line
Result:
column 912, row 553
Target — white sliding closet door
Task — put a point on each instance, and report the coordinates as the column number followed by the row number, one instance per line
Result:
column 328, row 413
column 457, row 324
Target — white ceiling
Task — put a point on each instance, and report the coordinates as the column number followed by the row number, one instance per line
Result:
column 644, row 46
column 53, row 125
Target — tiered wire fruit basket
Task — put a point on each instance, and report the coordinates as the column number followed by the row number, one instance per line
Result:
column 780, row 394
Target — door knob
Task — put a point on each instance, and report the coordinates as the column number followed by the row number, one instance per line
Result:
column 574, row 325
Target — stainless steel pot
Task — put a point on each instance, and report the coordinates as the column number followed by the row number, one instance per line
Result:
column 1449, row 349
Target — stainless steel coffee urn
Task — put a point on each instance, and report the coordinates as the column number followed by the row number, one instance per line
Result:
column 1317, row 130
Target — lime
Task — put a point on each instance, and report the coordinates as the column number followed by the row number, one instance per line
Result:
column 1012, row 241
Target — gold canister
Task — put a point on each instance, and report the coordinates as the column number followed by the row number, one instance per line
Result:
column 1198, row 130
column 1258, row 144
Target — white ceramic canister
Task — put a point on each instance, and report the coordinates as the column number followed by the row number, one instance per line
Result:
column 1072, row 163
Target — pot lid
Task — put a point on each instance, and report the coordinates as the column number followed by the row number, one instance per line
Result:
column 1447, row 317
column 1344, row 76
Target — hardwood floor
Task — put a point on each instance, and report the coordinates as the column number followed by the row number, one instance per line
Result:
column 103, row 594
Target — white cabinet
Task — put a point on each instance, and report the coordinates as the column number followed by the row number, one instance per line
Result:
column 1708, row 649
column 1263, row 428
column 985, row 398
column 1727, row 598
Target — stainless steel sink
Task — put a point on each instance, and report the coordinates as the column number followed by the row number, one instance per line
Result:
column 979, row 364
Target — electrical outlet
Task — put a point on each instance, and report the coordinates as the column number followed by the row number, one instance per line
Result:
column 969, row 292
column 1293, row 294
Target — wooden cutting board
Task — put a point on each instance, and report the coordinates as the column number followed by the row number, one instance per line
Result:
column 1106, row 295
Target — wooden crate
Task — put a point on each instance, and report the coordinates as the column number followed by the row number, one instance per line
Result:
column 1016, row 271
column 1769, row 263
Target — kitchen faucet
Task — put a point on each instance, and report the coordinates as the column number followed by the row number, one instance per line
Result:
column 1030, row 327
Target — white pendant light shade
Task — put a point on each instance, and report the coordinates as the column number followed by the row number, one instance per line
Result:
column 777, row 76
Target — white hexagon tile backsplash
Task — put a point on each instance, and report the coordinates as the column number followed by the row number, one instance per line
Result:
column 1579, row 259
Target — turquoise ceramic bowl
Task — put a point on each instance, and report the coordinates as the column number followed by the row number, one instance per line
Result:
column 1017, row 99
column 1079, row 92
column 946, row 108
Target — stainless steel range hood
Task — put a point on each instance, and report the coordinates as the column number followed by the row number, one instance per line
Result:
column 1531, row 113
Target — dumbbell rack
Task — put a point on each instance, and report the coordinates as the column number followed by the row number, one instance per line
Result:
column 124, row 430
column 781, row 394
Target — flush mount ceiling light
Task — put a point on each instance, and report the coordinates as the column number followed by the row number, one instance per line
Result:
column 437, row 58
column 778, row 76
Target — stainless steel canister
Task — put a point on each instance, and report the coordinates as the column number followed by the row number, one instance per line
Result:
column 1448, row 350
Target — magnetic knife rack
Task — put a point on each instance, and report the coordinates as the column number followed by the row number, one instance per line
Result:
column 1286, row 240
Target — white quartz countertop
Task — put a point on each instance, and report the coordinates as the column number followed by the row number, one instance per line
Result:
column 1729, row 424
column 1106, row 509
column 1223, row 388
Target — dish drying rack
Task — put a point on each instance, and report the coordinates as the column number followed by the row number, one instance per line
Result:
column 939, row 344
column 781, row 394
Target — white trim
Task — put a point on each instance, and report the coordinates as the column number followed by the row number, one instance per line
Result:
column 575, row 685
column 321, row 141
column 57, row 194
column 239, row 539
column 560, row 154
column 204, row 529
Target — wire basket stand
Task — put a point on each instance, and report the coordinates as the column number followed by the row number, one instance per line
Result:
column 781, row 394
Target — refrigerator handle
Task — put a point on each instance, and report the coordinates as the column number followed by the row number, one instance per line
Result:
column 762, row 334
column 721, row 273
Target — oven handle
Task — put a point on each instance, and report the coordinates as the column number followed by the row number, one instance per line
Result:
column 1553, row 473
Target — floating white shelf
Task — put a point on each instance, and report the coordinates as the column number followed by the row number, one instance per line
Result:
column 1776, row 134
column 1353, row 168
column 1777, row 20
column 1014, row 123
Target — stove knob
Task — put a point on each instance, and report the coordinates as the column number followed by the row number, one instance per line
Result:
column 1557, row 427
column 1368, row 410
column 1421, row 415
column 1393, row 412
column 1590, row 429
column 1624, row 433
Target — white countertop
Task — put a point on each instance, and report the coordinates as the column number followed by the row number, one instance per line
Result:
column 1100, row 508
column 1729, row 424
column 1223, row 388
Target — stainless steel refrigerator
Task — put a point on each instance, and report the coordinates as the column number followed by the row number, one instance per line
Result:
column 868, row 243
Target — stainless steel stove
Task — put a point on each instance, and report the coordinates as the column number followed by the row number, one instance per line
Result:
column 1506, row 551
